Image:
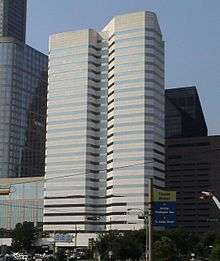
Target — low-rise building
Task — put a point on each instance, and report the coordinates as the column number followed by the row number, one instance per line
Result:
column 24, row 203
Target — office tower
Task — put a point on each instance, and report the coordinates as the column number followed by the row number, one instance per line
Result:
column 192, row 166
column 105, row 125
column 23, row 90
column 13, row 19
column 184, row 115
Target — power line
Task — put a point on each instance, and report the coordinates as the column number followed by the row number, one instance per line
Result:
column 78, row 174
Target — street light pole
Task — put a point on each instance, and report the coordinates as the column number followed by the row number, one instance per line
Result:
column 150, row 225
column 75, row 239
column 147, row 214
column 146, row 229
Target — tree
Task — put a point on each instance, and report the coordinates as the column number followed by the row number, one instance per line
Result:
column 23, row 236
column 206, row 240
column 215, row 254
column 129, row 246
column 105, row 242
column 122, row 245
column 185, row 241
column 164, row 250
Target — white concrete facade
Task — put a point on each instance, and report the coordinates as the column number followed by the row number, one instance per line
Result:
column 105, row 126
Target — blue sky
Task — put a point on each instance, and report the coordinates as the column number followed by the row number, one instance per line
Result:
column 191, row 30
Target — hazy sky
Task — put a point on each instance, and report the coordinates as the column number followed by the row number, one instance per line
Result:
column 191, row 30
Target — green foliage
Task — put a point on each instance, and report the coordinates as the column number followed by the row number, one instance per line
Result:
column 5, row 233
column 23, row 236
column 206, row 240
column 215, row 254
column 60, row 256
column 170, row 245
column 129, row 244
column 164, row 250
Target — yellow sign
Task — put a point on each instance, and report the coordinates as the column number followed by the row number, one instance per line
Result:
column 160, row 195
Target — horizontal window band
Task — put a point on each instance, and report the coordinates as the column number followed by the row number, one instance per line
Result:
column 110, row 127
column 112, row 68
column 74, row 214
column 111, row 93
column 93, row 138
column 72, row 187
column 109, row 153
column 159, row 152
column 110, row 144
column 93, row 146
column 110, row 178
column 110, row 135
column 112, row 43
column 140, row 64
column 111, row 77
column 111, row 85
column 72, row 153
column 109, row 170
column 95, row 64
column 111, row 52
column 85, row 214
column 160, row 170
column 160, row 144
column 111, row 118
column 118, row 204
column 110, row 102
column 72, row 223
column 146, row 47
column 137, row 29
column 65, row 197
column 112, row 60
column 113, row 35
column 112, row 109
column 159, row 178
column 94, row 47
column 93, row 96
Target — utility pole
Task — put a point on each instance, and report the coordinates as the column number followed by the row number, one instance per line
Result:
column 150, row 212
column 146, row 229
column 148, row 221
column 75, row 239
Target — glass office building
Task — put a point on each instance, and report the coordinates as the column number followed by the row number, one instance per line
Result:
column 23, row 91
column 13, row 19
column 23, row 88
column 105, row 124
column 25, row 202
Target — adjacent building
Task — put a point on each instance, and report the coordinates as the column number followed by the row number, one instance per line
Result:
column 13, row 19
column 23, row 90
column 184, row 116
column 23, row 101
column 192, row 166
column 192, row 159
column 105, row 124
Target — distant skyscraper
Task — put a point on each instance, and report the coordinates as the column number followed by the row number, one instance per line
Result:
column 23, row 90
column 105, row 126
column 13, row 18
column 184, row 115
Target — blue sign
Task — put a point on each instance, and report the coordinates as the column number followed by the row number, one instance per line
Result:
column 164, row 214
column 63, row 238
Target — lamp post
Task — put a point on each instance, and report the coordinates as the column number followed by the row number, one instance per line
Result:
column 147, row 214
